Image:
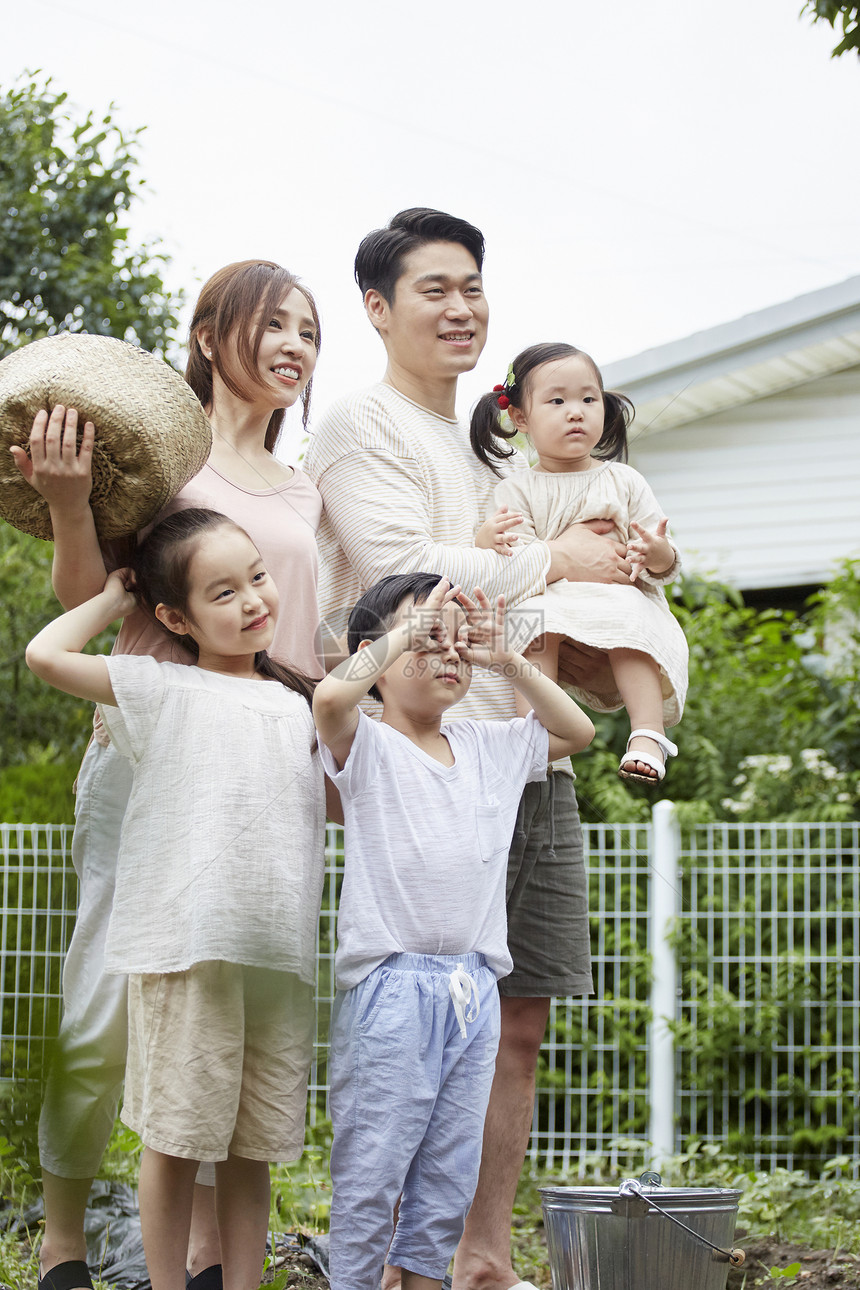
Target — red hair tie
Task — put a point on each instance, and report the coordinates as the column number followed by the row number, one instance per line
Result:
column 503, row 400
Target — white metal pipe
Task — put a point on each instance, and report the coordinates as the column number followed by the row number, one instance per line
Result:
column 665, row 907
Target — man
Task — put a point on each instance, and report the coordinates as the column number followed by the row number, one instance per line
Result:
column 403, row 492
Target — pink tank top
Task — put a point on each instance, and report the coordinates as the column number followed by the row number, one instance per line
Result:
column 282, row 522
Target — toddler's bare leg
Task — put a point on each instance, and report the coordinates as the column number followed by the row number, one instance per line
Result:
column 242, row 1193
column 638, row 679
column 165, row 1193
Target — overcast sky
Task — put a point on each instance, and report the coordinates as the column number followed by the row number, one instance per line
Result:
column 641, row 169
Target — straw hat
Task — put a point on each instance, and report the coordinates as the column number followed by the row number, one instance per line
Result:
column 152, row 434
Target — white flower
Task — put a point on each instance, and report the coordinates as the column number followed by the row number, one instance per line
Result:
column 814, row 760
column 772, row 763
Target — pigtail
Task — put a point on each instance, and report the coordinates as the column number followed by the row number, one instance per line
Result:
column 617, row 416
column 292, row 679
column 486, row 430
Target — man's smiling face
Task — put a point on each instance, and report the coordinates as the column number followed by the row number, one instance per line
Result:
column 435, row 325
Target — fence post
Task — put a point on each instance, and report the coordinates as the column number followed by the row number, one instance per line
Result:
column 664, row 908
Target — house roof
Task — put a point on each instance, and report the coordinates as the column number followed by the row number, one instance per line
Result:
column 759, row 354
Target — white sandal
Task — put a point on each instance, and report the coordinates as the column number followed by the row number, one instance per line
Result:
column 667, row 748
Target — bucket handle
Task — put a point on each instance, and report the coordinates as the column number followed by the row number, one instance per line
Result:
column 631, row 1188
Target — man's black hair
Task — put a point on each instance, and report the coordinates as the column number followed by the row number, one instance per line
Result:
column 379, row 262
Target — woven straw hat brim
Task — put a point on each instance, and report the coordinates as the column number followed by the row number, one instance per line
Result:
column 152, row 434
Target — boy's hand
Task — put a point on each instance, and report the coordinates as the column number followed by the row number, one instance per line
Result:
column 57, row 468
column 495, row 533
column 651, row 551
column 481, row 639
column 426, row 630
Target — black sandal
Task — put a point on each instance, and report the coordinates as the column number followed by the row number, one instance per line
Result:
column 71, row 1275
column 211, row 1278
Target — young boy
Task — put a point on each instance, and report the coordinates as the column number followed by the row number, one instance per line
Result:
column 429, row 811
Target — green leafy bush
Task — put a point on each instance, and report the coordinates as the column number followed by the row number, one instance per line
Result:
column 39, row 791
column 771, row 729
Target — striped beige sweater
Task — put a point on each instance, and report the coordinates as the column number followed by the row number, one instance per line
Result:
column 403, row 492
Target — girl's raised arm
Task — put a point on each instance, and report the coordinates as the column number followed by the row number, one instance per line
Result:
column 61, row 472
column 55, row 654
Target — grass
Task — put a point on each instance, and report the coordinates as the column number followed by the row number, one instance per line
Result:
column 301, row 1195
column 19, row 1264
column 785, row 1204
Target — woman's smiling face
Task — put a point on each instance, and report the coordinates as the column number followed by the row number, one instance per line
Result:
column 286, row 356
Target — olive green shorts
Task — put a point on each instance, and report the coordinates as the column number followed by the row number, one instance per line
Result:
column 547, row 895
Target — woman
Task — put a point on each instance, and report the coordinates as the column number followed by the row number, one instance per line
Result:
column 253, row 346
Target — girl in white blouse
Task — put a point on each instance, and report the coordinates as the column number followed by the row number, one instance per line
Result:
column 219, row 878
column 554, row 394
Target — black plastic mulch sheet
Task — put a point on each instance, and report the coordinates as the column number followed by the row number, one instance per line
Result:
column 112, row 1228
column 114, row 1243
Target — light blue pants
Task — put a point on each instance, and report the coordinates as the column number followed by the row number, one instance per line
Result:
column 408, row 1098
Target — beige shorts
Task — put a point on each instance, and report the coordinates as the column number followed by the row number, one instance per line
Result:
column 218, row 1060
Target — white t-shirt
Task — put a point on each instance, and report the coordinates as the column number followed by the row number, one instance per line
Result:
column 222, row 848
column 426, row 845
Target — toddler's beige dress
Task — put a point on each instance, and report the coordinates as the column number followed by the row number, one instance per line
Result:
column 603, row 615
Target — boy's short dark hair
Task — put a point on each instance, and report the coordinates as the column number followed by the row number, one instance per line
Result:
column 379, row 261
column 375, row 612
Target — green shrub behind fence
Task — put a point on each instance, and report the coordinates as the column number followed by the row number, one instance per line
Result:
column 767, row 1024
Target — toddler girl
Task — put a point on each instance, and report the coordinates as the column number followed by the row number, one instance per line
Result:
column 554, row 394
column 219, row 879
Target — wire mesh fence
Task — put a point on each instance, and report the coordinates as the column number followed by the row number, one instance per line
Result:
column 37, row 910
column 767, row 967
column 592, row 1090
column 768, row 1052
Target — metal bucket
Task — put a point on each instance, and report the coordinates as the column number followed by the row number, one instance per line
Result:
column 640, row 1236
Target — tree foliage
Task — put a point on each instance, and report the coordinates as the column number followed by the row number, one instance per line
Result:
column 43, row 733
column 844, row 16
column 66, row 264
column 65, row 260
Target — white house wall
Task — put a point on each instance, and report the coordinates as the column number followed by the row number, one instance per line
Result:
column 768, row 494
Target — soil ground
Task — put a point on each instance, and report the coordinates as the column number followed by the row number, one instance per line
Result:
column 819, row 1269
